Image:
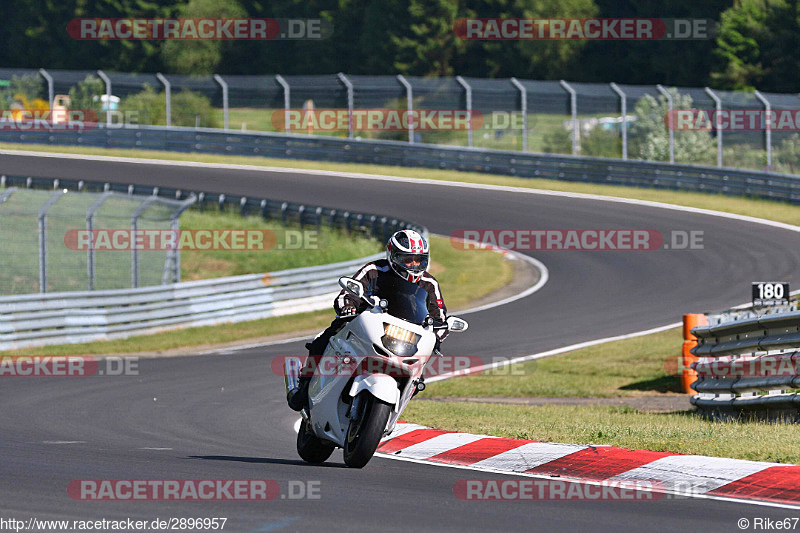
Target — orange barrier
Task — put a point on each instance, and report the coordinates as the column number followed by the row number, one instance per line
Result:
column 688, row 375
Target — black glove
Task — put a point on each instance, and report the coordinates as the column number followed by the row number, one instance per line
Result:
column 347, row 310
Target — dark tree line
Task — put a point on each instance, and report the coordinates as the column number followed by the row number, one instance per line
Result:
column 756, row 45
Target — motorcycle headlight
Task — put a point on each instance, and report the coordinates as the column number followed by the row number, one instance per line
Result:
column 399, row 341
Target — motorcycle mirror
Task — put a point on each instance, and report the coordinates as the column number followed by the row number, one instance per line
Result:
column 352, row 286
column 457, row 324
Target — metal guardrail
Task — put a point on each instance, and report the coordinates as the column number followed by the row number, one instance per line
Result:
column 749, row 367
column 377, row 226
column 74, row 317
column 71, row 317
column 647, row 174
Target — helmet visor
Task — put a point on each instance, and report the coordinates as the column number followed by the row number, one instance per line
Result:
column 412, row 262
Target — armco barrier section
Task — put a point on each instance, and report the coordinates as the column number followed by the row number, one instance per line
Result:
column 304, row 215
column 73, row 317
column 70, row 317
column 749, row 366
column 728, row 181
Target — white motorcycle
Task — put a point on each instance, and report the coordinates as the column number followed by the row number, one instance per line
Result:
column 369, row 372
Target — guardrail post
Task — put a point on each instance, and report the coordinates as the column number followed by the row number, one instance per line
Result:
column 573, row 106
column 43, row 239
column 107, row 81
column 89, row 228
column 718, row 103
column 523, row 99
column 409, row 105
column 50, row 87
column 349, row 87
column 221, row 202
column 670, row 124
column 286, row 100
column 767, row 127
column 168, row 92
column 623, row 103
column 468, row 93
column 224, row 87
column 243, row 206
column 300, row 214
column 688, row 374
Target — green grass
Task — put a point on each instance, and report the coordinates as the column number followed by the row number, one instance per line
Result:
column 679, row 432
column 630, row 367
column 327, row 246
column 462, row 275
column 771, row 210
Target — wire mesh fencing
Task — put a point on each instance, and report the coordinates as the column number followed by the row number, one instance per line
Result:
column 750, row 130
column 52, row 241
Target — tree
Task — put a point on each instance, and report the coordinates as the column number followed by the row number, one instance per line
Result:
column 649, row 134
column 86, row 94
column 757, row 46
column 199, row 56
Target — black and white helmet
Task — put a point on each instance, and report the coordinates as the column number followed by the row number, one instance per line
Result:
column 407, row 251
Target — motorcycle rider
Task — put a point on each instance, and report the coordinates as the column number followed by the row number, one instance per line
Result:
column 407, row 256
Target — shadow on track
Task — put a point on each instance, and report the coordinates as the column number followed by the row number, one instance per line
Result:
column 265, row 460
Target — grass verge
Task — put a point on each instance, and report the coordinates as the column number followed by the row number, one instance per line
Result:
column 631, row 367
column 461, row 275
column 777, row 211
column 325, row 246
column 678, row 432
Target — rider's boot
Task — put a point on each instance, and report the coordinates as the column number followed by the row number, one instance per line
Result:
column 298, row 398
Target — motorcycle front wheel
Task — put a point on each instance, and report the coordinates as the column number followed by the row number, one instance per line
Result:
column 364, row 434
column 311, row 448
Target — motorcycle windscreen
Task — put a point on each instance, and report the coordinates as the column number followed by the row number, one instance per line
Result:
column 407, row 301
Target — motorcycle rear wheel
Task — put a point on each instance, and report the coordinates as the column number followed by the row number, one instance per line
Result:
column 311, row 448
column 365, row 433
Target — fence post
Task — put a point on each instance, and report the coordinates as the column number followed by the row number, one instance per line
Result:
column 523, row 97
column 349, row 87
column 168, row 93
column 410, row 106
column 107, row 81
column 286, row 100
column 224, row 87
column 767, row 127
column 43, row 239
column 688, row 374
column 623, row 102
column 670, row 124
column 718, row 103
column 134, row 253
column 90, row 227
column 468, row 90
column 50, row 88
column 573, row 106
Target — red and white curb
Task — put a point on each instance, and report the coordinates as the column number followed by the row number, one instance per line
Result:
column 699, row 476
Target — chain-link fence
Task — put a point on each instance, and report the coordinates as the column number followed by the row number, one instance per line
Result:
column 592, row 119
column 52, row 241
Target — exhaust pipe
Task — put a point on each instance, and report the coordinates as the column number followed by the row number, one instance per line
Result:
column 291, row 373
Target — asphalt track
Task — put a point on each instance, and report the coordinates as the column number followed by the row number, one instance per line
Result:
column 224, row 416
